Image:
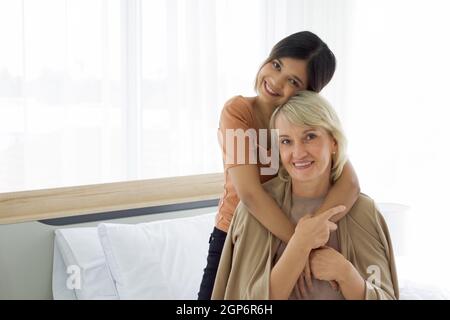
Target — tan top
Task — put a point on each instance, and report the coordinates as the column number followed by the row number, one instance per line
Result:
column 321, row 290
column 238, row 113
column 249, row 249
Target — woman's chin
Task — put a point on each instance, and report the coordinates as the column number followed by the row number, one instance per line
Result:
column 301, row 177
column 308, row 176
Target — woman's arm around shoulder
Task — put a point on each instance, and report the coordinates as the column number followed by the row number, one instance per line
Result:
column 345, row 191
column 260, row 204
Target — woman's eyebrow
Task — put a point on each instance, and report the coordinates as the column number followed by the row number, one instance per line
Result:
column 304, row 132
column 298, row 79
column 294, row 76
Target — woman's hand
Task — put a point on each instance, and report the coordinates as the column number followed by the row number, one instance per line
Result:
column 305, row 284
column 327, row 264
column 314, row 232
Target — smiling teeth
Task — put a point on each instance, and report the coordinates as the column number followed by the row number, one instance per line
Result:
column 269, row 89
column 304, row 164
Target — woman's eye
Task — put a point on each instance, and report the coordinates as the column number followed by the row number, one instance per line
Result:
column 294, row 83
column 310, row 136
column 276, row 65
column 285, row 141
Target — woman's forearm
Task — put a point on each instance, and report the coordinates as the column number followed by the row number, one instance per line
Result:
column 352, row 285
column 345, row 191
column 288, row 268
column 264, row 208
column 261, row 205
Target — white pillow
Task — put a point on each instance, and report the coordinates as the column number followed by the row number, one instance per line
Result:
column 157, row 260
column 80, row 248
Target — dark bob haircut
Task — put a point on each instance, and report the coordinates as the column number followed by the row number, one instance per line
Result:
column 307, row 46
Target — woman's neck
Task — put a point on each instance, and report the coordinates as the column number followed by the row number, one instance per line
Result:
column 264, row 109
column 316, row 188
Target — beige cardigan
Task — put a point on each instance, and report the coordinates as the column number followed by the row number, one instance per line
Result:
column 248, row 253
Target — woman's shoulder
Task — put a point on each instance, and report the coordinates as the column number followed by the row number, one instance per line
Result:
column 364, row 201
column 239, row 101
column 238, row 105
column 364, row 208
column 275, row 187
column 237, row 113
column 365, row 214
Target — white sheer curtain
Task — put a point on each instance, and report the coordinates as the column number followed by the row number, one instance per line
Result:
column 96, row 91
column 60, row 93
column 397, row 113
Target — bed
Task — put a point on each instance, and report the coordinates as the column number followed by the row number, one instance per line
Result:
column 165, row 260
column 140, row 254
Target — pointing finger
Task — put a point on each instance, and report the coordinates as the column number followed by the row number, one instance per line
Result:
column 333, row 211
column 332, row 226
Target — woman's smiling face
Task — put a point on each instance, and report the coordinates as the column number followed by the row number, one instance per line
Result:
column 305, row 152
column 280, row 79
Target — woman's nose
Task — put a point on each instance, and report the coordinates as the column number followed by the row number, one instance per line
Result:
column 299, row 151
column 278, row 83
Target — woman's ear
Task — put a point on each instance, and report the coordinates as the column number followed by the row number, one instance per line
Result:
column 334, row 147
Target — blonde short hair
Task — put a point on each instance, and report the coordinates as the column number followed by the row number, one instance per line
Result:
column 308, row 108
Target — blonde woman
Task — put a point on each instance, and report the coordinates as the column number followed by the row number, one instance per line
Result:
column 355, row 253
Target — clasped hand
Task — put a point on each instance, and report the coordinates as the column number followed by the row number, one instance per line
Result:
column 324, row 263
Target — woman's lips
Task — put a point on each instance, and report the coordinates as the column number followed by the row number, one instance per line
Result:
column 302, row 165
column 269, row 89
